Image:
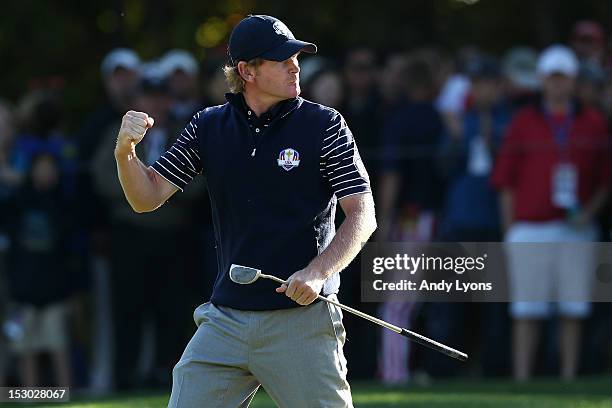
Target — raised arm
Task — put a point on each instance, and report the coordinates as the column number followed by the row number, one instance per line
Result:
column 144, row 189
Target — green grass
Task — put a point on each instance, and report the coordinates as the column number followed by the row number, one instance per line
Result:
column 585, row 393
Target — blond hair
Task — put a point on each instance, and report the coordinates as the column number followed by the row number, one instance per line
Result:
column 235, row 83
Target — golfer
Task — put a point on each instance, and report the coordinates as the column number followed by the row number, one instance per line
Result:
column 276, row 166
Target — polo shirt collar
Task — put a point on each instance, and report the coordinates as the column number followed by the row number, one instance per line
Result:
column 281, row 109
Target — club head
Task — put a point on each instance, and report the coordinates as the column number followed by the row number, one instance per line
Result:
column 244, row 275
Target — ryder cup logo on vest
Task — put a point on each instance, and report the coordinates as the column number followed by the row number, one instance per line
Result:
column 288, row 159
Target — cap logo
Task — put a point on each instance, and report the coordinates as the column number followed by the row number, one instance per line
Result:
column 288, row 158
column 281, row 29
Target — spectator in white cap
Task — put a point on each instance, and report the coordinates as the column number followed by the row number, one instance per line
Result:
column 181, row 70
column 120, row 71
column 557, row 59
column 168, row 232
column 553, row 172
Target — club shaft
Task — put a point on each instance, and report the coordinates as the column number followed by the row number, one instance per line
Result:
column 425, row 341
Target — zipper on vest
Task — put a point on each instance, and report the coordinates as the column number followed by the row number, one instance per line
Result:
column 253, row 152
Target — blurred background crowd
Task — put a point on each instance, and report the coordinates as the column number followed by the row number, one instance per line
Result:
column 97, row 297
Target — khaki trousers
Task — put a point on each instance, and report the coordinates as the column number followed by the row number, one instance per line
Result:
column 295, row 354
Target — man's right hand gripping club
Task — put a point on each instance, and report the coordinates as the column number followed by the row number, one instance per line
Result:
column 133, row 128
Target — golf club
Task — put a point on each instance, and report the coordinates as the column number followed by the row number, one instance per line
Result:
column 246, row 275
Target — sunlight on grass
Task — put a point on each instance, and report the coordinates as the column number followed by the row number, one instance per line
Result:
column 586, row 393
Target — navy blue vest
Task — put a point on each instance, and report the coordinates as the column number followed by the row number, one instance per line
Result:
column 266, row 216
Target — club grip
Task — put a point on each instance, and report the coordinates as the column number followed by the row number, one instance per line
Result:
column 434, row 345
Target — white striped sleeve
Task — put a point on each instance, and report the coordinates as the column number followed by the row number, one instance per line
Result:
column 181, row 163
column 340, row 164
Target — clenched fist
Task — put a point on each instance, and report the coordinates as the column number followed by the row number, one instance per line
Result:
column 133, row 128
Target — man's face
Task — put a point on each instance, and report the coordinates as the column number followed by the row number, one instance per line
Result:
column 360, row 70
column 392, row 82
column 588, row 48
column 327, row 89
column 278, row 79
column 183, row 85
column 121, row 85
column 45, row 174
column 485, row 91
column 558, row 86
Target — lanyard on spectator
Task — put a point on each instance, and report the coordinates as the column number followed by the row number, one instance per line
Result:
column 561, row 131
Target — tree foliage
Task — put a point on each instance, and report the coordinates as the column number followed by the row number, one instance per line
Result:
column 68, row 39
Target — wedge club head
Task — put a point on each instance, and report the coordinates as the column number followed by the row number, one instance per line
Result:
column 244, row 275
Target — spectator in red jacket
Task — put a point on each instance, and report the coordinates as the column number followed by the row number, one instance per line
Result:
column 553, row 174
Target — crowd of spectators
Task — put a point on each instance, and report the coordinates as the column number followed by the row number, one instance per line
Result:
column 461, row 147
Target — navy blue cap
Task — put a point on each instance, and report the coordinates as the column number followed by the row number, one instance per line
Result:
column 260, row 36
